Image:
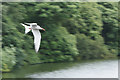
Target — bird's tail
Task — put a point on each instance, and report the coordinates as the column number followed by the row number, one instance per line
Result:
column 27, row 28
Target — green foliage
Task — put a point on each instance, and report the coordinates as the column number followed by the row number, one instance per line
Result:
column 90, row 49
column 8, row 59
column 110, row 24
column 62, row 46
column 73, row 31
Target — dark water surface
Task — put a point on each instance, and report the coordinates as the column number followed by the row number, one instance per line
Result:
column 79, row 69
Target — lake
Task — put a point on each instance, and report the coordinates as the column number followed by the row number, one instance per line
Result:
column 78, row 69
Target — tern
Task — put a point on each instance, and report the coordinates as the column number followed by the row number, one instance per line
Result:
column 35, row 30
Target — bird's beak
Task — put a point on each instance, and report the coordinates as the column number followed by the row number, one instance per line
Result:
column 43, row 29
column 30, row 28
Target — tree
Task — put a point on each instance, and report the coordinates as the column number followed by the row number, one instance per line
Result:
column 110, row 24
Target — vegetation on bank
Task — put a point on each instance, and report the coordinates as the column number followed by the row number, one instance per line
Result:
column 74, row 31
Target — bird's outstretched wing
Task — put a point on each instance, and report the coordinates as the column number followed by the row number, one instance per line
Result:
column 37, row 39
column 26, row 28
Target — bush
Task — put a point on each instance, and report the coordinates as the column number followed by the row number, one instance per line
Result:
column 91, row 49
column 62, row 46
column 8, row 59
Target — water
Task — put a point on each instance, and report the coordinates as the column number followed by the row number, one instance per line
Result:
column 82, row 69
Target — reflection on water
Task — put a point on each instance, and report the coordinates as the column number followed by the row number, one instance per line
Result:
column 84, row 69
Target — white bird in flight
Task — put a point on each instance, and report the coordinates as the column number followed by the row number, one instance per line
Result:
column 35, row 30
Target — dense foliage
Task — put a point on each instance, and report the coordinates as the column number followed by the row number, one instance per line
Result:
column 74, row 31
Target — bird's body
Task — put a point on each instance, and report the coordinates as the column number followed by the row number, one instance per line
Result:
column 35, row 30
